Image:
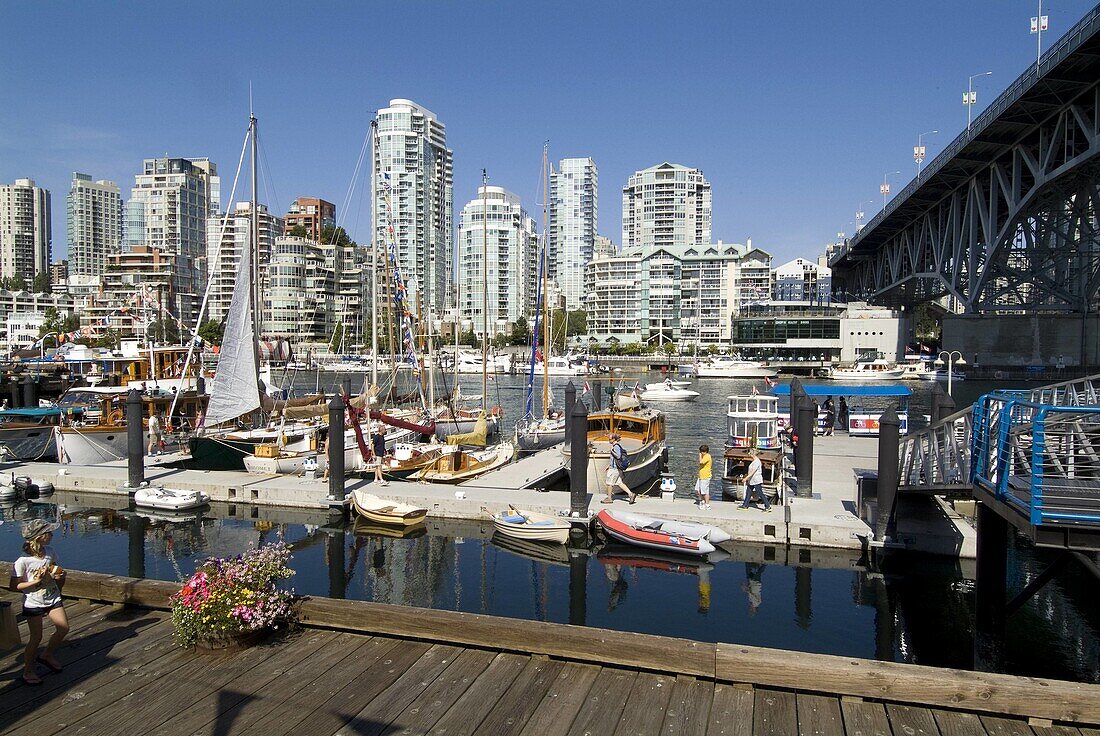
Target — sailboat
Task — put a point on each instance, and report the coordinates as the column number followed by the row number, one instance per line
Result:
column 548, row 429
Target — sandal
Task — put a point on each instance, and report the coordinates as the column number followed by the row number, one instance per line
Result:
column 633, row 498
column 607, row 500
column 54, row 667
column 32, row 681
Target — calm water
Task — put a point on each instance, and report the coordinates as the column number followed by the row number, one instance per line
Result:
column 911, row 609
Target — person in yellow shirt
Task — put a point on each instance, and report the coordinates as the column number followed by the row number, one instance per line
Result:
column 702, row 486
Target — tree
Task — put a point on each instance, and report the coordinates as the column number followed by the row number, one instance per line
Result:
column 335, row 235
column 577, row 322
column 42, row 283
column 13, row 283
column 164, row 331
column 211, row 331
column 299, row 231
column 927, row 323
column 469, row 338
column 521, row 332
column 106, row 339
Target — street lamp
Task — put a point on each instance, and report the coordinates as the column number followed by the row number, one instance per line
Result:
column 1039, row 23
column 951, row 361
column 860, row 215
column 884, row 189
column 918, row 150
column 970, row 96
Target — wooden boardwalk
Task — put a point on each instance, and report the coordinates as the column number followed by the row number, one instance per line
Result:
column 125, row 674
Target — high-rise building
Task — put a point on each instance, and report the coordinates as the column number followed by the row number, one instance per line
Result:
column 298, row 301
column 574, row 211
column 310, row 213
column 506, row 277
column 25, row 233
column 94, row 218
column 666, row 206
column 413, row 170
column 235, row 235
column 167, row 211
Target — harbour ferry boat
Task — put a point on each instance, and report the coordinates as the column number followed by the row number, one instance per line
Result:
column 641, row 433
column 865, row 404
column 752, row 421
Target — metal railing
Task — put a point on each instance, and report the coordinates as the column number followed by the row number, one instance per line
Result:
column 938, row 456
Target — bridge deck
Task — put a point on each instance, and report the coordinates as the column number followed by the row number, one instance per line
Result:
column 124, row 673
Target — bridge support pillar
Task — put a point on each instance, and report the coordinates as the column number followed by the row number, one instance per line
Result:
column 989, row 613
column 888, row 442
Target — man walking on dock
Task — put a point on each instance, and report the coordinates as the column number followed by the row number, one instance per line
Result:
column 614, row 476
column 754, row 481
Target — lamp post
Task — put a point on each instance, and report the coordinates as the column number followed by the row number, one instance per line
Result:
column 918, row 150
column 1038, row 25
column 951, row 361
column 884, row 189
column 970, row 97
column 860, row 214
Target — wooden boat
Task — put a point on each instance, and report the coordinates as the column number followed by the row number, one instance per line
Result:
column 751, row 421
column 410, row 458
column 169, row 499
column 662, row 534
column 531, row 526
column 457, row 464
column 642, row 435
column 382, row 511
column 878, row 369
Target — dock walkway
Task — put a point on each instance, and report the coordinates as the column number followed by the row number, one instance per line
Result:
column 364, row 668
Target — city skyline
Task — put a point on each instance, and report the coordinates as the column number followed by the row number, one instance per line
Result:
column 720, row 88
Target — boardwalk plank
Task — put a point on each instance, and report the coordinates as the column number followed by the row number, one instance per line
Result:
column 336, row 711
column 1056, row 730
column 554, row 715
column 516, row 705
column 605, row 702
column 819, row 715
column 774, row 712
column 391, row 702
column 421, row 715
column 997, row 726
column 219, row 706
column 688, row 708
column 315, row 695
column 912, row 720
column 953, row 723
column 647, row 705
column 274, row 696
column 864, row 719
column 106, row 655
column 731, row 711
column 464, row 717
column 81, row 616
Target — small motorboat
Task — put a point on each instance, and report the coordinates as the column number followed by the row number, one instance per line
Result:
column 667, row 392
column 382, row 511
column 531, row 526
column 169, row 499
column 668, row 536
column 667, row 382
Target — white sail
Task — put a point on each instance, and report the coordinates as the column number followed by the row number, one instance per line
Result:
column 236, row 389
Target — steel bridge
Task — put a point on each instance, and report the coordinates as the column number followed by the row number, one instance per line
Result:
column 1007, row 218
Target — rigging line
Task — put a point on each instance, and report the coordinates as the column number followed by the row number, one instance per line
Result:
column 265, row 169
column 346, row 205
column 213, row 267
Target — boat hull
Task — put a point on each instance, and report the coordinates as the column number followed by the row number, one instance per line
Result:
column 668, row 536
column 534, row 528
column 381, row 511
column 90, row 445
column 645, row 465
column 31, row 444
column 168, row 499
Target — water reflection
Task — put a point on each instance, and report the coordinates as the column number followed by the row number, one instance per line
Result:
column 907, row 608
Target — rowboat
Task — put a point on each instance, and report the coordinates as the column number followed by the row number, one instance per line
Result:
column 169, row 499
column 382, row 511
column 531, row 526
column 669, row 536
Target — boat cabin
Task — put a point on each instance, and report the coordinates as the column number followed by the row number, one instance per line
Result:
column 865, row 404
column 753, row 421
column 103, row 406
column 644, row 427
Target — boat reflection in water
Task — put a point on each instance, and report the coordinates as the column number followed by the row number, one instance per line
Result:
column 904, row 608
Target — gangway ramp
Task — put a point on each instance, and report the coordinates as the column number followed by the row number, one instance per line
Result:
column 533, row 471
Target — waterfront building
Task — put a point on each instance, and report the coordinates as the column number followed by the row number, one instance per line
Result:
column 509, row 275
column 754, row 278
column 793, row 331
column 298, row 301
column 167, row 212
column 138, row 289
column 94, row 220
column 802, row 280
column 603, row 248
column 59, row 274
column 26, row 310
column 685, row 295
column 666, row 206
column 574, row 212
column 312, row 214
column 227, row 237
column 414, row 167
column 26, row 237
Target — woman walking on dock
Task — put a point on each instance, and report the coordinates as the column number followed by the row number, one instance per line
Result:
column 754, row 481
column 39, row 578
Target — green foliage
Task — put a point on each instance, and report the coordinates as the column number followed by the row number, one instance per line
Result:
column 13, row 283
column 927, row 323
column 299, row 231
column 632, row 348
column 337, row 338
column 106, row 339
column 211, row 331
column 521, row 333
column 669, row 348
column 469, row 338
column 501, row 340
column 578, row 322
column 42, row 283
column 335, row 235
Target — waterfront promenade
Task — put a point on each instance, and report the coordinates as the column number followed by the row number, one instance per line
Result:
column 828, row 519
column 366, row 668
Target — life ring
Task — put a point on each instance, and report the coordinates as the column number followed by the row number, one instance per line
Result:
column 115, row 417
column 999, row 375
column 497, row 411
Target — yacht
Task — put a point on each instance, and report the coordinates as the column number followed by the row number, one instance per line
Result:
column 878, row 369
column 727, row 367
column 642, row 435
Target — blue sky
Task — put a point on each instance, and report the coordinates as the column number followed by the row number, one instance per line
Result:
column 793, row 110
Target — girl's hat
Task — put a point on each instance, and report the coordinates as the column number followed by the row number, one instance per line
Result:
column 35, row 528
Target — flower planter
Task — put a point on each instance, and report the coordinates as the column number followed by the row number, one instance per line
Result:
column 231, row 643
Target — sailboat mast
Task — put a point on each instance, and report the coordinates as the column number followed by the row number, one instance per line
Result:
column 545, row 262
column 374, row 255
column 254, row 241
column 484, row 288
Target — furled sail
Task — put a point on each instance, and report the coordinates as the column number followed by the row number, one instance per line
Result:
column 236, row 389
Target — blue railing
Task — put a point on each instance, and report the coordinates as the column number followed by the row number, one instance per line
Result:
column 1041, row 459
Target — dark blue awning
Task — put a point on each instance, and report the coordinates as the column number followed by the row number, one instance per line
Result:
column 834, row 389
